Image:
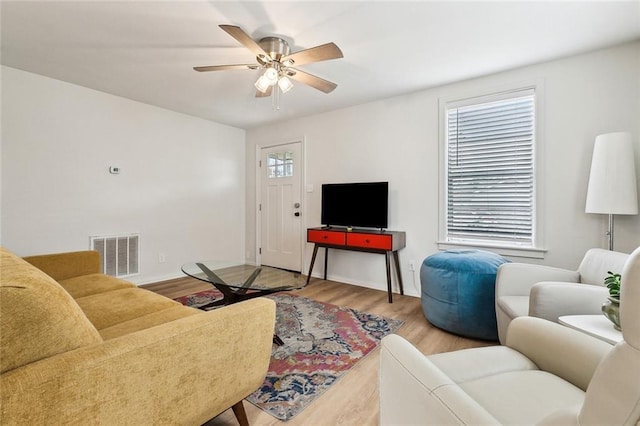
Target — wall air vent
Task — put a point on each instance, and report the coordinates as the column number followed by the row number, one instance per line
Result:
column 120, row 254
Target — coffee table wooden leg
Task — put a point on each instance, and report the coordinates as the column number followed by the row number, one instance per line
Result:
column 241, row 415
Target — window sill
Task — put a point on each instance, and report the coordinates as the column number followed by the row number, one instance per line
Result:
column 529, row 252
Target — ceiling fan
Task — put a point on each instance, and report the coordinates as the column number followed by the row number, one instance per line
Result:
column 273, row 55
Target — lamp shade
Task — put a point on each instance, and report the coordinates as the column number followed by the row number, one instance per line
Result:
column 262, row 84
column 271, row 75
column 269, row 78
column 285, row 84
column 612, row 181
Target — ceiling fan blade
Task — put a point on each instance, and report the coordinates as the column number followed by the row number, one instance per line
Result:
column 244, row 39
column 227, row 67
column 311, row 80
column 314, row 54
column 266, row 94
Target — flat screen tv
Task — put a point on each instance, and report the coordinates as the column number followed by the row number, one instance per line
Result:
column 361, row 205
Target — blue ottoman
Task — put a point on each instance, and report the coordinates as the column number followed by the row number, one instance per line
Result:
column 458, row 292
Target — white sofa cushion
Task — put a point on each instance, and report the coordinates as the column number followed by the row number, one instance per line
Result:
column 523, row 397
column 597, row 262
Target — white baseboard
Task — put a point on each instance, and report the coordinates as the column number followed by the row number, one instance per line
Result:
column 408, row 291
column 153, row 280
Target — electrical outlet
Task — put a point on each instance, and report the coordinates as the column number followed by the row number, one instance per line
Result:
column 412, row 265
column 161, row 258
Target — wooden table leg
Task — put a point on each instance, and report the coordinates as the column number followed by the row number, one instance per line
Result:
column 396, row 258
column 313, row 261
column 326, row 259
column 388, row 264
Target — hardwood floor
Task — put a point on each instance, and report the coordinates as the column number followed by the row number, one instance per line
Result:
column 353, row 400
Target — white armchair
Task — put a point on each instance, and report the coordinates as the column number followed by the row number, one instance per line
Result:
column 546, row 292
column 547, row 374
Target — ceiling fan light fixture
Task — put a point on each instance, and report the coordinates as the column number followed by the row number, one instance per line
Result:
column 267, row 79
column 262, row 84
column 274, row 56
column 271, row 75
column 285, row 84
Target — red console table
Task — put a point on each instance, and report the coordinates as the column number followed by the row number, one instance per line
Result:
column 382, row 242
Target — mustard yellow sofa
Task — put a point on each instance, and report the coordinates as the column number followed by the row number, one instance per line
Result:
column 80, row 347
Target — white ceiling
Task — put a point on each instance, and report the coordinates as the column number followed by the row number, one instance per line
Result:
column 145, row 50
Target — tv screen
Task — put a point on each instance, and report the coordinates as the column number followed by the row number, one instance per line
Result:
column 361, row 204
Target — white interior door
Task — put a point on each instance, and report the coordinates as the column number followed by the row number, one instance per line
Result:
column 281, row 206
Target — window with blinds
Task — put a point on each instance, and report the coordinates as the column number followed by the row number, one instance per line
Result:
column 490, row 170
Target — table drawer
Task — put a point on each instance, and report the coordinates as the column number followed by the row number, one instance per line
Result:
column 373, row 241
column 326, row 237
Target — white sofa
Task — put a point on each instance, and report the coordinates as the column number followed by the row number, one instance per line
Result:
column 546, row 292
column 547, row 374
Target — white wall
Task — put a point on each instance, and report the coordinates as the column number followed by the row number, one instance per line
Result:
column 397, row 140
column 181, row 186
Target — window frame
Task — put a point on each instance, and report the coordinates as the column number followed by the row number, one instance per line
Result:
column 536, row 250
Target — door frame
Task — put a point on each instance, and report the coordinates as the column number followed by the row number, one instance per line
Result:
column 303, row 198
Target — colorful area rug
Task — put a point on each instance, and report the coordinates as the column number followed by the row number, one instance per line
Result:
column 321, row 343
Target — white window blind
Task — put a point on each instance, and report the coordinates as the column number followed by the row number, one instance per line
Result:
column 490, row 170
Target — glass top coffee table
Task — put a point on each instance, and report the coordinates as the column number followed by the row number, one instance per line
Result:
column 239, row 282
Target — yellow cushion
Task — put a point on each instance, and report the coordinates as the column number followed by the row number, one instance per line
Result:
column 61, row 266
column 118, row 306
column 148, row 321
column 87, row 285
column 39, row 318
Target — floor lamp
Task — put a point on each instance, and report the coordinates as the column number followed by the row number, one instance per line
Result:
column 612, row 181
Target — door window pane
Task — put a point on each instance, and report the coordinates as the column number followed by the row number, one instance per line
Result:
column 280, row 164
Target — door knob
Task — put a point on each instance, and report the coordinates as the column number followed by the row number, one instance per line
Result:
column 296, row 205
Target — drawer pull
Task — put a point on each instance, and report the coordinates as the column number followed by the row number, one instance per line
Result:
column 367, row 241
column 324, row 237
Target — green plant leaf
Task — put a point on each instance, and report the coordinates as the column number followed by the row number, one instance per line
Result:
column 612, row 282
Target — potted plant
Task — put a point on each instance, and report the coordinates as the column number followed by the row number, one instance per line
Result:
column 611, row 308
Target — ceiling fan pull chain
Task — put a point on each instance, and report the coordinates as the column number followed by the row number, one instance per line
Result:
column 275, row 98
